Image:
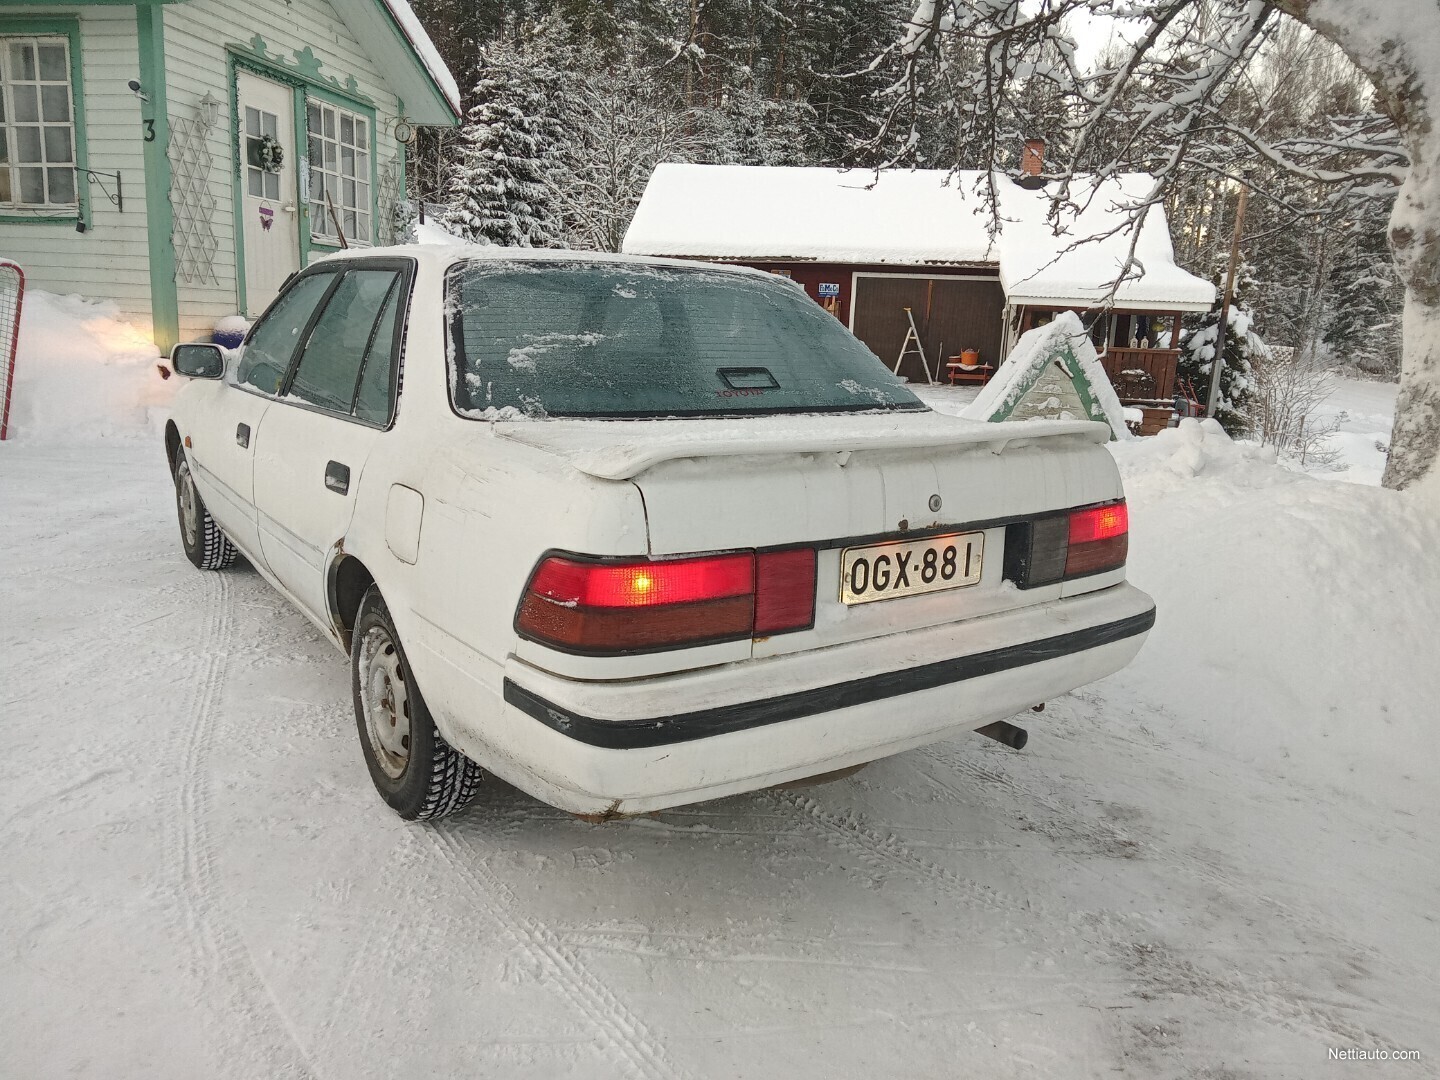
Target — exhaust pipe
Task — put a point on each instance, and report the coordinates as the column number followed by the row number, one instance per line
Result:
column 1003, row 732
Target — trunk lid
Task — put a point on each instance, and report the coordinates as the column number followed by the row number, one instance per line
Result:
column 837, row 482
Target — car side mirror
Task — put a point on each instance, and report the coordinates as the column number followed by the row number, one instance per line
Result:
column 199, row 360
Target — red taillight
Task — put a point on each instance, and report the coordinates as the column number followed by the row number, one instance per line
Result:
column 644, row 584
column 1099, row 539
column 1099, row 523
column 639, row 605
column 784, row 591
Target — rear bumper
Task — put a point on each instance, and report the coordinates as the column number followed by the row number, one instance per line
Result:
column 645, row 744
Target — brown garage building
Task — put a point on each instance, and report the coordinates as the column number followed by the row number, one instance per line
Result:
column 869, row 245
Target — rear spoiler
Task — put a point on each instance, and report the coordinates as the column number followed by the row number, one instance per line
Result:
column 623, row 449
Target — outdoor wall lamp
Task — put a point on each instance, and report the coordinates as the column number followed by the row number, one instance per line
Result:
column 137, row 90
column 209, row 110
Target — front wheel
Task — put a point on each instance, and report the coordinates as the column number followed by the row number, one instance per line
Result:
column 413, row 768
column 205, row 545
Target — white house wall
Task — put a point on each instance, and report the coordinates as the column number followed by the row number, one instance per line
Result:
column 110, row 259
column 196, row 37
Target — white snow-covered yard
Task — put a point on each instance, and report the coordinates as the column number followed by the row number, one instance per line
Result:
column 1219, row 863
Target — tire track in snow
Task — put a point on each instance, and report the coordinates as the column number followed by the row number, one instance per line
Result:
column 262, row 1041
column 353, row 1006
column 627, row 1039
column 1192, row 867
column 849, row 832
column 1160, row 965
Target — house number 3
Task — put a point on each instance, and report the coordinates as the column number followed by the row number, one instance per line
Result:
column 149, row 130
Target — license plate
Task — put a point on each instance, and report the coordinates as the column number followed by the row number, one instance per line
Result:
column 907, row 567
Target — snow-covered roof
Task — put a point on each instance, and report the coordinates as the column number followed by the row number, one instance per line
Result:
column 913, row 218
column 393, row 35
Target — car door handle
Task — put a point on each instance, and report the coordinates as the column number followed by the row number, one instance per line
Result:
column 242, row 435
column 337, row 477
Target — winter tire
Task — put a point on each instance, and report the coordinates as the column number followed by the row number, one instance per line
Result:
column 205, row 545
column 414, row 769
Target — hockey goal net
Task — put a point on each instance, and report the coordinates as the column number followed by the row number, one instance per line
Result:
column 12, row 296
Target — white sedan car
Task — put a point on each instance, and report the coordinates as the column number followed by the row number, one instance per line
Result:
column 635, row 533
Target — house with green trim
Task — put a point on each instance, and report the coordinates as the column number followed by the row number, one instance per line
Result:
column 183, row 158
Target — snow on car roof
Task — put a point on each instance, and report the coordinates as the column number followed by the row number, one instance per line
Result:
column 918, row 217
column 446, row 253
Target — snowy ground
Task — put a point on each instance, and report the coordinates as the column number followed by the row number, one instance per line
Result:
column 1365, row 411
column 1218, row 863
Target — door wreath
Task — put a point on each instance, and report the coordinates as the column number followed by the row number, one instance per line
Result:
column 270, row 155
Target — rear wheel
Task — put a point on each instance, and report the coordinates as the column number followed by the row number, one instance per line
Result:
column 205, row 545
column 416, row 772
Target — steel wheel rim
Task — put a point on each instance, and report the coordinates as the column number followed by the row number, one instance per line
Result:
column 385, row 701
column 189, row 505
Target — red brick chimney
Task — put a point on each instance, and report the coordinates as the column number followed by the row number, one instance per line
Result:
column 1032, row 158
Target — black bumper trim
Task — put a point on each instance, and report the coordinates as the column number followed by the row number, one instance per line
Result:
column 684, row 727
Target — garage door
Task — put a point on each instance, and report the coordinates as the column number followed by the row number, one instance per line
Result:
column 951, row 314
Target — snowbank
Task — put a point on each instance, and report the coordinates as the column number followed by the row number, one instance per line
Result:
column 1363, row 411
column 83, row 372
column 432, row 232
column 1296, row 617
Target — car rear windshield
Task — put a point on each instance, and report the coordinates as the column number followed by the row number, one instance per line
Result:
column 618, row 340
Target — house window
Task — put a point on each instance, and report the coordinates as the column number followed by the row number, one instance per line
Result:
column 339, row 170
column 37, row 124
column 260, row 179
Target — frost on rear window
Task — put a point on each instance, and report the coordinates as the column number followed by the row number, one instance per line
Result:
column 523, row 357
column 626, row 340
column 858, row 389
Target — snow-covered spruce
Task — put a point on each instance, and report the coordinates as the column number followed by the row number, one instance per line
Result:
column 499, row 193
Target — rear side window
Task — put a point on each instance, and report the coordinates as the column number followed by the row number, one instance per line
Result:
column 344, row 342
column 629, row 340
column 374, row 400
column 271, row 345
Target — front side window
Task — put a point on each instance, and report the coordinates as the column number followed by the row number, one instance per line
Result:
column 626, row 340
column 37, row 124
column 339, row 173
column 268, row 350
column 345, row 367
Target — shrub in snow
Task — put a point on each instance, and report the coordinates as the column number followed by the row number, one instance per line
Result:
column 620, row 121
column 1288, row 389
column 403, row 221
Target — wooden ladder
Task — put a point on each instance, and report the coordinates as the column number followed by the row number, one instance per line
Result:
column 912, row 344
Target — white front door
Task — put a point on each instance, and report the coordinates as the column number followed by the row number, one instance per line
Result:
column 271, row 224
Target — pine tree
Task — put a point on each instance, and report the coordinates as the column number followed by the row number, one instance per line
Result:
column 500, row 191
column 1237, row 373
column 1366, row 300
column 760, row 130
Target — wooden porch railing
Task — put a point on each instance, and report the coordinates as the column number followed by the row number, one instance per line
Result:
column 1142, row 375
